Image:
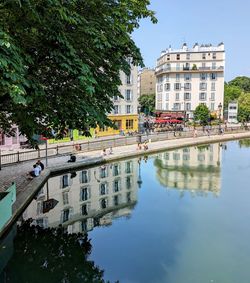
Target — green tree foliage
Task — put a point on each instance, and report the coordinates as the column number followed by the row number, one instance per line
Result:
column 241, row 82
column 202, row 114
column 60, row 61
column 231, row 93
column 147, row 102
column 244, row 107
column 51, row 255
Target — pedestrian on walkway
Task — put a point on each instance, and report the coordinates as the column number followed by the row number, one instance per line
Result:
column 35, row 172
column 195, row 133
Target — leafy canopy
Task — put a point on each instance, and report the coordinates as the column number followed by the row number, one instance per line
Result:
column 241, row 82
column 147, row 102
column 202, row 114
column 60, row 61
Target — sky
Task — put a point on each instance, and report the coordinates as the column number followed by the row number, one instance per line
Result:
column 205, row 22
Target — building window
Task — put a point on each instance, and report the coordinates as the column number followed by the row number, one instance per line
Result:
column 159, row 96
column 188, row 56
column 116, row 170
column 177, row 86
column 116, row 98
column 116, row 109
column 213, row 76
column 188, row 106
column 187, row 77
column 212, row 96
column 167, row 96
column 128, row 167
column 85, row 209
column 187, row 86
column 167, row 86
column 128, row 109
column 116, row 200
column 159, row 87
column 84, row 194
column 104, row 203
column 65, row 215
column 203, row 96
column 84, row 226
column 187, row 96
column 103, row 189
column 203, row 76
column 128, row 182
column 84, row 177
column 178, row 67
column 128, row 94
column 129, row 80
column 118, row 124
column 167, row 77
column 167, row 106
column 129, row 124
column 103, row 172
column 203, row 56
column 214, row 55
column 160, row 79
column 65, row 181
column 177, row 77
column 116, row 186
column 212, row 107
column 213, row 86
column 177, row 106
column 176, row 156
column 213, row 65
column 203, row 86
column 177, row 96
column 177, row 56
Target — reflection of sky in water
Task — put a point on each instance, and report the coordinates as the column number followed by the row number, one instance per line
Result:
column 182, row 240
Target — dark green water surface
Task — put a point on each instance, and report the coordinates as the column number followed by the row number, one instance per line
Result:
column 181, row 216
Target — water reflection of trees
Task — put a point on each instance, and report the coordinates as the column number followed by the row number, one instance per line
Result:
column 51, row 255
column 244, row 143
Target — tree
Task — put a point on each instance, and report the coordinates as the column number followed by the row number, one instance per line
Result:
column 51, row 255
column 147, row 102
column 244, row 107
column 231, row 93
column 202, row 114
column 241, row 82
column 60, row 61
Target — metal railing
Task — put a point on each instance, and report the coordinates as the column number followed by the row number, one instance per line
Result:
column 158, row 134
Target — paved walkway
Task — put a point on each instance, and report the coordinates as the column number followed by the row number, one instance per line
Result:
column 17, row 173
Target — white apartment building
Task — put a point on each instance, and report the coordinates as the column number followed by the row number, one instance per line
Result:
column 232, row 112
column 188, row 77
column 94, row 196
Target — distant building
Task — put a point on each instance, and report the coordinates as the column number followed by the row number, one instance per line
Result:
column 232, row 112
column 188, row 77
column 146, row 81
column 8, row 142
column 125, row 113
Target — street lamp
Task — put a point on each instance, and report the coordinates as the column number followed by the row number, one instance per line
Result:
column 220, row 108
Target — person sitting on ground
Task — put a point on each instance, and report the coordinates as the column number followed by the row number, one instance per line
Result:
column 104, row 152
column 72, row 158
column 110, row 150
column 145, row 146
column 39, row 162
column 35, row 172
column 139, row 146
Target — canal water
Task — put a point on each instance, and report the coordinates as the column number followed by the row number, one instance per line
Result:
column 179, row 216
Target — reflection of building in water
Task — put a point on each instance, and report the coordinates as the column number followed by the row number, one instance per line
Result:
column 196, row 169
column 87, row 198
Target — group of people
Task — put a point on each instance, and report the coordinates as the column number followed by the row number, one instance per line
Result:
column 38, row 167
column 107, row 152
column 142, row 146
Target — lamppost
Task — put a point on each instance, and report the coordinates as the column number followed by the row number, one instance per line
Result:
column 220, row 108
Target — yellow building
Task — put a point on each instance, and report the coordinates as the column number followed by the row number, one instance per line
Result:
column 125, row 113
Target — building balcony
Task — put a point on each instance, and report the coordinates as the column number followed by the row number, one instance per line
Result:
column 192, row 69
